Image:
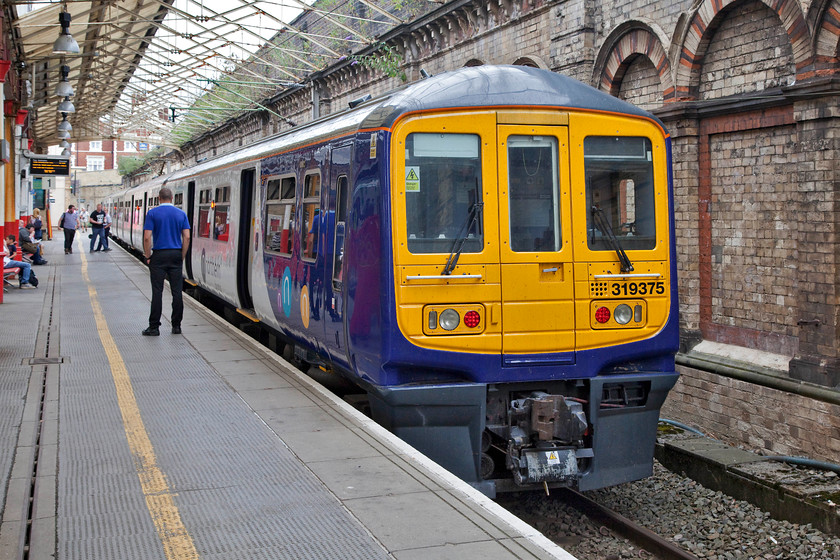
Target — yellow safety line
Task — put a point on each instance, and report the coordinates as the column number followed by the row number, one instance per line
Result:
column 177, row 543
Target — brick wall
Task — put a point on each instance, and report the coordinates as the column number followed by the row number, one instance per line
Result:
column 640, row 85
column 754, row 417
column 753, row 235
column 748, row 52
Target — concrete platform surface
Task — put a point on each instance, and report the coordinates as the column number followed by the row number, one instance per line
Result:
column 202, row 445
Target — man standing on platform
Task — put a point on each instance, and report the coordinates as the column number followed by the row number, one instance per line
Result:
column 169, row 227
column 69, row 221
column 96, row 226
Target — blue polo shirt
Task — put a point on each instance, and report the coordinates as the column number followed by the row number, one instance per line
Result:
column 166, row 222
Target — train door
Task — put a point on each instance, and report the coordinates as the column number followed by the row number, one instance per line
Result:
column 131, row 223
column 336, row 215
column 538, row 311
column 190, row 210
column 245, row 252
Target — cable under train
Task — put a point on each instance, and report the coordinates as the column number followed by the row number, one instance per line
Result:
column 489, row 253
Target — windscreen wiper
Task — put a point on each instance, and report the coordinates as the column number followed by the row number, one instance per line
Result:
column 603, row 224
column 458, row 246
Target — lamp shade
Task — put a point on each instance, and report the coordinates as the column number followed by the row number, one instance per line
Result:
column 65, row 125
column 63, row 134
column 65, row 44
column 64, row 144
column 64, row 89
column 66, row 106
column 65, row 152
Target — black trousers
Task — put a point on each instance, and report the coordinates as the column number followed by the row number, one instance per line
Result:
column 69, row 234
column 166, row 264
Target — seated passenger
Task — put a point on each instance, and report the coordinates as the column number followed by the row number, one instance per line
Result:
column 11, row 245
column 27, row 245
column 25, row 268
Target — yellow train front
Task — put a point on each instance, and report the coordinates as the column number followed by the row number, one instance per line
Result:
column 534, row 302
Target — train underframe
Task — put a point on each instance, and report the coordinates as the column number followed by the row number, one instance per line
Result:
column 585, row 434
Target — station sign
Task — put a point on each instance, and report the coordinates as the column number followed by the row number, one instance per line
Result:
column 46, row 166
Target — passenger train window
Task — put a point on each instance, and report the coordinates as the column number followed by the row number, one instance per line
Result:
column 221, row 211
column 619, row 187
column 179, row 200
column 205, row 197
column 533, row 193
column 311, row 215
column 340, row 221
column 280, row 214
column 443, row 192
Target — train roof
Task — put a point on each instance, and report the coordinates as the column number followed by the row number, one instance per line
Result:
column 497, row 86
column 478, row 86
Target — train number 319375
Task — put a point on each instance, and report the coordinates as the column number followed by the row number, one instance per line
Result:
column 637, row 288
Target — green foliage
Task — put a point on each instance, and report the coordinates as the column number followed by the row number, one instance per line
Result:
column 385, row 59
column 129, row 164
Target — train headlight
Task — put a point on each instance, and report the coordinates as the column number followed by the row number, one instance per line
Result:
column 623, row 314
column 449, row 320
column 602, row 315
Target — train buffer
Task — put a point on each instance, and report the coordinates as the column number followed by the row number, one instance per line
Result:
column 202, row 445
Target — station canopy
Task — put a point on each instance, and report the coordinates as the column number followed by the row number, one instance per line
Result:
column 165, row 71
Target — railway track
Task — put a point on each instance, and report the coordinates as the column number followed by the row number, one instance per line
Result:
column 646, row 540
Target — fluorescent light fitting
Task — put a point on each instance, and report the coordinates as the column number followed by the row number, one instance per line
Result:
column 66, row 106
column 65, row 42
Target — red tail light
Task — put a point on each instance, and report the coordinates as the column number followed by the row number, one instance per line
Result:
column 472, row 319
column 602, row 315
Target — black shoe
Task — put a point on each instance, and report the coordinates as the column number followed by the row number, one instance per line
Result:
column 106, row 250
column 151, row 331
column 176, row 330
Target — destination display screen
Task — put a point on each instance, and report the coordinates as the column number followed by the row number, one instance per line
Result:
column 43, row 166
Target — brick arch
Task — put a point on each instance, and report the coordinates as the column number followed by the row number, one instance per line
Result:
column 700, row 28
column 530, row 60
column 619, row 52
column 827, row 40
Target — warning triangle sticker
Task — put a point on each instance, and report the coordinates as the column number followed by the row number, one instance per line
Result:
column 552, row 455
column 412, row 176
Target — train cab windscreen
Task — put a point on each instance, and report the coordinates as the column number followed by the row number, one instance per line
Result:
column 443, row 192
column 619, row 193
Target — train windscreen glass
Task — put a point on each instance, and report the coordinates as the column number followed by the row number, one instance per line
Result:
column 533, row 190
column 619, row 182
column 443, row 185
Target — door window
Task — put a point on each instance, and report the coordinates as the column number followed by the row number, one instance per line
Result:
column 205, row 197
column 220, row 213
column 311, row 215
column 443, row 192
column 533, row 192
column 340, row 220
column 280, row 214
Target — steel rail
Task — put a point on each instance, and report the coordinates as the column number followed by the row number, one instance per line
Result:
column 644, row 538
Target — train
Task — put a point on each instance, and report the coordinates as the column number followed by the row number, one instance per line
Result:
column 488, row 253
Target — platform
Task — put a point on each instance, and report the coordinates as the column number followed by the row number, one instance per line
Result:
column 202, row 445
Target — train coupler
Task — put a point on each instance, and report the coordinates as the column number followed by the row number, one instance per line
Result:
column 546, row 439
column 536, row 465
